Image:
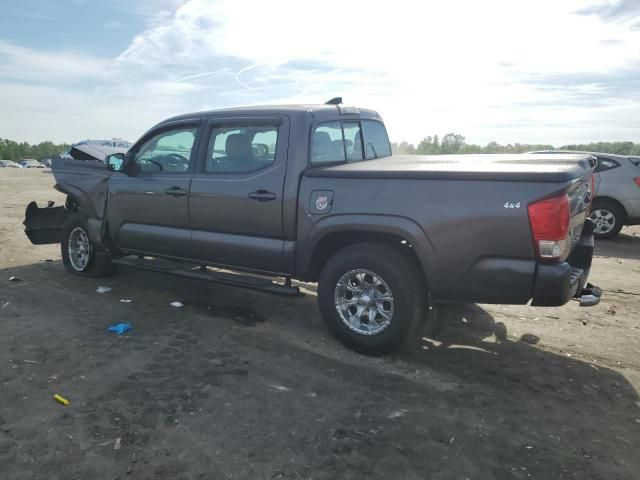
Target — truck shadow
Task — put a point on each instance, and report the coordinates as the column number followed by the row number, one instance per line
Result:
column 478, row 349
column 623, row 245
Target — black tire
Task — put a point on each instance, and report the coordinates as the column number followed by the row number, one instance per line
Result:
column 99, row 262
column 403, row 279
column 606, row 207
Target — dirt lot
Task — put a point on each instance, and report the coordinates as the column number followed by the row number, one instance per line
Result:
column 241, row 384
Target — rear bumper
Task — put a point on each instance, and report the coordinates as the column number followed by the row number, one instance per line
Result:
column 556, row 284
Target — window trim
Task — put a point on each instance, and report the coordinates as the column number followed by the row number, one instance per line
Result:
column 221, row 122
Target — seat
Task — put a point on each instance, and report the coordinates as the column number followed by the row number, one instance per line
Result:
column 321, row 146
column 238, row 149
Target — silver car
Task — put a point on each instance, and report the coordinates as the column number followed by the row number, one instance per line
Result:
column 617, row 201
column 8, row 164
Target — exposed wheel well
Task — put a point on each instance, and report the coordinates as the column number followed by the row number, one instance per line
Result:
column 615, row 202
column 333, row 242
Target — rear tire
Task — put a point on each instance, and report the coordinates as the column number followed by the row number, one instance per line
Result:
column 372, row 280
column 80, row 255
column 608, row 218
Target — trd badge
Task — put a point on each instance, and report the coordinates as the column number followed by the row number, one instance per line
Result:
column 321, row 201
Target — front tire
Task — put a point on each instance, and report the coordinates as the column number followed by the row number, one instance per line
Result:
column 608, row 218
column 372, row 297
column 80, row 255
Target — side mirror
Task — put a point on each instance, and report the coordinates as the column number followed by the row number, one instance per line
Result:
column 115, row 162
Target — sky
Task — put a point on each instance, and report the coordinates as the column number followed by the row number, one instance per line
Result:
column 529, row 71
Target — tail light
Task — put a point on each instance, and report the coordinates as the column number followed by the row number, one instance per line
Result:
column 549, row 220
column 637, row 180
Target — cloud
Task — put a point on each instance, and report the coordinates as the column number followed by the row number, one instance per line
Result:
column 491, row 70
column 618, row 10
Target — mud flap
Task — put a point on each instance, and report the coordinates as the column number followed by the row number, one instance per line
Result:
column 44, row 225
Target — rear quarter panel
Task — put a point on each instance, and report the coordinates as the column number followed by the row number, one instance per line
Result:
column 467, row 231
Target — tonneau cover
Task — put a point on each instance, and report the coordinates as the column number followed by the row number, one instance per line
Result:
column 509, row 167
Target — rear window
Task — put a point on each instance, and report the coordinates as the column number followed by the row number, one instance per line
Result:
column 605, row 164
column 349, row 141
column 376, row 140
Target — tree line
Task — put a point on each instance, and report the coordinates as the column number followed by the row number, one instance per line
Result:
column 10, row 150
column 432, row 145
column 455, row 143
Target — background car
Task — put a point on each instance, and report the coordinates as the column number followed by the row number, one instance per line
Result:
column 46, row 162
column 617, row 200
column 31, row 163
column 8, row 164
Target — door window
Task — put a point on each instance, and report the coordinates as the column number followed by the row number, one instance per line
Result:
column 167, row 152
column 241, row 149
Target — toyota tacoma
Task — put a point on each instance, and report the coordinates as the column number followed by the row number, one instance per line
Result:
column 258, row 196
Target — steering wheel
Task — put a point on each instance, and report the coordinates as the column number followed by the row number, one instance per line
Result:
column 180, row 158
column 156, row 163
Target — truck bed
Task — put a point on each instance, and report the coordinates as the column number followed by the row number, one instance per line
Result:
column 503, row 167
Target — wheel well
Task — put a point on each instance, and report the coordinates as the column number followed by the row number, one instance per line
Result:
column 615, row 202
column 333, row 242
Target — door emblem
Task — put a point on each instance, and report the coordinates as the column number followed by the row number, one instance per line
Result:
column 322, row 202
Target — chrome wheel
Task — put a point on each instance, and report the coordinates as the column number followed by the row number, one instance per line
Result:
column 604, row 221
column 364, row 302
column 79, row 249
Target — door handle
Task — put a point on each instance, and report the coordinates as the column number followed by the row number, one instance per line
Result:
column 262, row 196
column 175, row 192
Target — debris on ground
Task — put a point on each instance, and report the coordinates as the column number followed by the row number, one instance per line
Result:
column 120, row 328
column 177, row 304
column 611, row 310
column 125, row 300
column 103, row 289
column 60, row 399
column 52, row 378
column 280, row 388
column 5, row 305
column 116, row 445
column 398, row 413
column 15, row 279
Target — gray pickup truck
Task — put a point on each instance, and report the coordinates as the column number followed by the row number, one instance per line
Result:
column 249, row 196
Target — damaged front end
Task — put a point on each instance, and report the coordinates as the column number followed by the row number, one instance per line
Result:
column 85, row 184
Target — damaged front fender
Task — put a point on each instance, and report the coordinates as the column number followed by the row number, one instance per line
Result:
column 86, row 184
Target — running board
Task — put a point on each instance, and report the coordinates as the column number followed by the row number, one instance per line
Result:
column 224, row 278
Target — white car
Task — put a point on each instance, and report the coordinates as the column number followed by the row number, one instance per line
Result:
column 8, row 164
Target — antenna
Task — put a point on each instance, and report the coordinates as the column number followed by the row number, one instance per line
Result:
column 334, row 101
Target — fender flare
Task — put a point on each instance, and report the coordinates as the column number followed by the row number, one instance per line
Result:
column 366, row 223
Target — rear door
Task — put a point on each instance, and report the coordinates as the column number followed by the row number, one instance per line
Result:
column 236, row 193
column 148, row 208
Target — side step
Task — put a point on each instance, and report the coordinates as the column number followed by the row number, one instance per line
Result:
column 200, row 273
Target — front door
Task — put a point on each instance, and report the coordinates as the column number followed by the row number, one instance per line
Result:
column 148, row 208
column 236, row 193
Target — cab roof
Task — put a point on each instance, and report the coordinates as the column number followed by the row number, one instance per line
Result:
column 318, row 111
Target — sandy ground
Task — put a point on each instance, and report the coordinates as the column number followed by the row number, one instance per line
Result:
column 241, row 384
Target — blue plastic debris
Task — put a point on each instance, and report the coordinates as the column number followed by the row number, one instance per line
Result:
column 120, row 328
